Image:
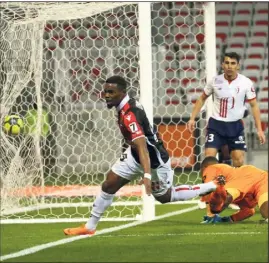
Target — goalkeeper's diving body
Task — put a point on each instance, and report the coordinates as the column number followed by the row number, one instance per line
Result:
column 145, row 157
column 245, row 186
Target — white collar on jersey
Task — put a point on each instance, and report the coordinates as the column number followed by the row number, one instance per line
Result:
column 123, row 102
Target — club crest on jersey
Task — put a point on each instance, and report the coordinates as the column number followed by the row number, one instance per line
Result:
column 241, row 140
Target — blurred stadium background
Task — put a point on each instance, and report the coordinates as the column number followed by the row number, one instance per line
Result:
column 78, row 54
column 76, row 77
column 58, row 54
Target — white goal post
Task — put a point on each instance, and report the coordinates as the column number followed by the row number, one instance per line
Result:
column 54, row 58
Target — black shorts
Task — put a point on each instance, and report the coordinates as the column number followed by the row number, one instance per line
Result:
column 220, row 133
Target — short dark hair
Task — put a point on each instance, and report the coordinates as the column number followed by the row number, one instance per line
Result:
column 232, row 55
column 120, row 81
column 208, row 161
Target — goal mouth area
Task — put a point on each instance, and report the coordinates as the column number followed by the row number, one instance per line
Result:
column 66, row 193
column 72, row 191
column 59, row 55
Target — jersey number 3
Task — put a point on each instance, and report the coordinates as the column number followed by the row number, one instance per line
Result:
column 210, row 137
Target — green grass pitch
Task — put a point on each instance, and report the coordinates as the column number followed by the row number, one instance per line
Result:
column 179, row 238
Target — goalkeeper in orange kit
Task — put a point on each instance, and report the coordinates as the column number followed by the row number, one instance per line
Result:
column 245, row 186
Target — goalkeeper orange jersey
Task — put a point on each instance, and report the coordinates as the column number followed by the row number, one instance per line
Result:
column 247, row 179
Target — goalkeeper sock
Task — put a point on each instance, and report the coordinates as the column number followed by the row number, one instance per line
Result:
column 101, row 203
column 186, row 192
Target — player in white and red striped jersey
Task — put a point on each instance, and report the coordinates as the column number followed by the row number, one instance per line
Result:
column 146, row 156
column 230, row 90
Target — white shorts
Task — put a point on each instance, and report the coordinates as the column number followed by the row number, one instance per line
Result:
column 128, row 168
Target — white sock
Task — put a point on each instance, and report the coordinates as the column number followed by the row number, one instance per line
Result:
column 101, row 203
column 186, row 192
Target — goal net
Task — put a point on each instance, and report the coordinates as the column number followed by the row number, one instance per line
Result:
column 55, row 57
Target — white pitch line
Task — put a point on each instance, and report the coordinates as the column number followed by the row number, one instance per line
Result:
column 185, row 234
column 35, row 249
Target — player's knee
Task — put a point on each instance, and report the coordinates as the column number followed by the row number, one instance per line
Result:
column 166, row 198
column 237, row 162
column 211, row 152
column 109, row 187
column 163, row 199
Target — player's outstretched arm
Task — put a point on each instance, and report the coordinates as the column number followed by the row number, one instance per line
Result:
column 242, row 214
column 142, row 150
column 197, row 108
column 220, row 200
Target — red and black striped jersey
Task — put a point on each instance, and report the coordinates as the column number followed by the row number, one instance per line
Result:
column 133, row 123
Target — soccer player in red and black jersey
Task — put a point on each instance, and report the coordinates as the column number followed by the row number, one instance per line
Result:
column 145, row 156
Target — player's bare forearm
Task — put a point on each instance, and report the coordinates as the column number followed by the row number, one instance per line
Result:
column 198, row 106
column 142, row 151
column 256, row 114
column 242, row 214
column 144, row 160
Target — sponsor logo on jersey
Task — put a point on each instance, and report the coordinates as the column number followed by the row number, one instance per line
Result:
column 241, row 140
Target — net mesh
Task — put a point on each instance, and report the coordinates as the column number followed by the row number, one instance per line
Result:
column 55, row 58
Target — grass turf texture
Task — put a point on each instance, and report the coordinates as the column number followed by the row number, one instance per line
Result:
column 178, row 238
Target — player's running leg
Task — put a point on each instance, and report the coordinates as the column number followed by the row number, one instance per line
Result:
column 224, row 155
column 112, row 184
column 238, row 157
column 122, row 172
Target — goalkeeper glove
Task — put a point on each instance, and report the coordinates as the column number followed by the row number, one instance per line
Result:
column 216, row 219
column 211, row 219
